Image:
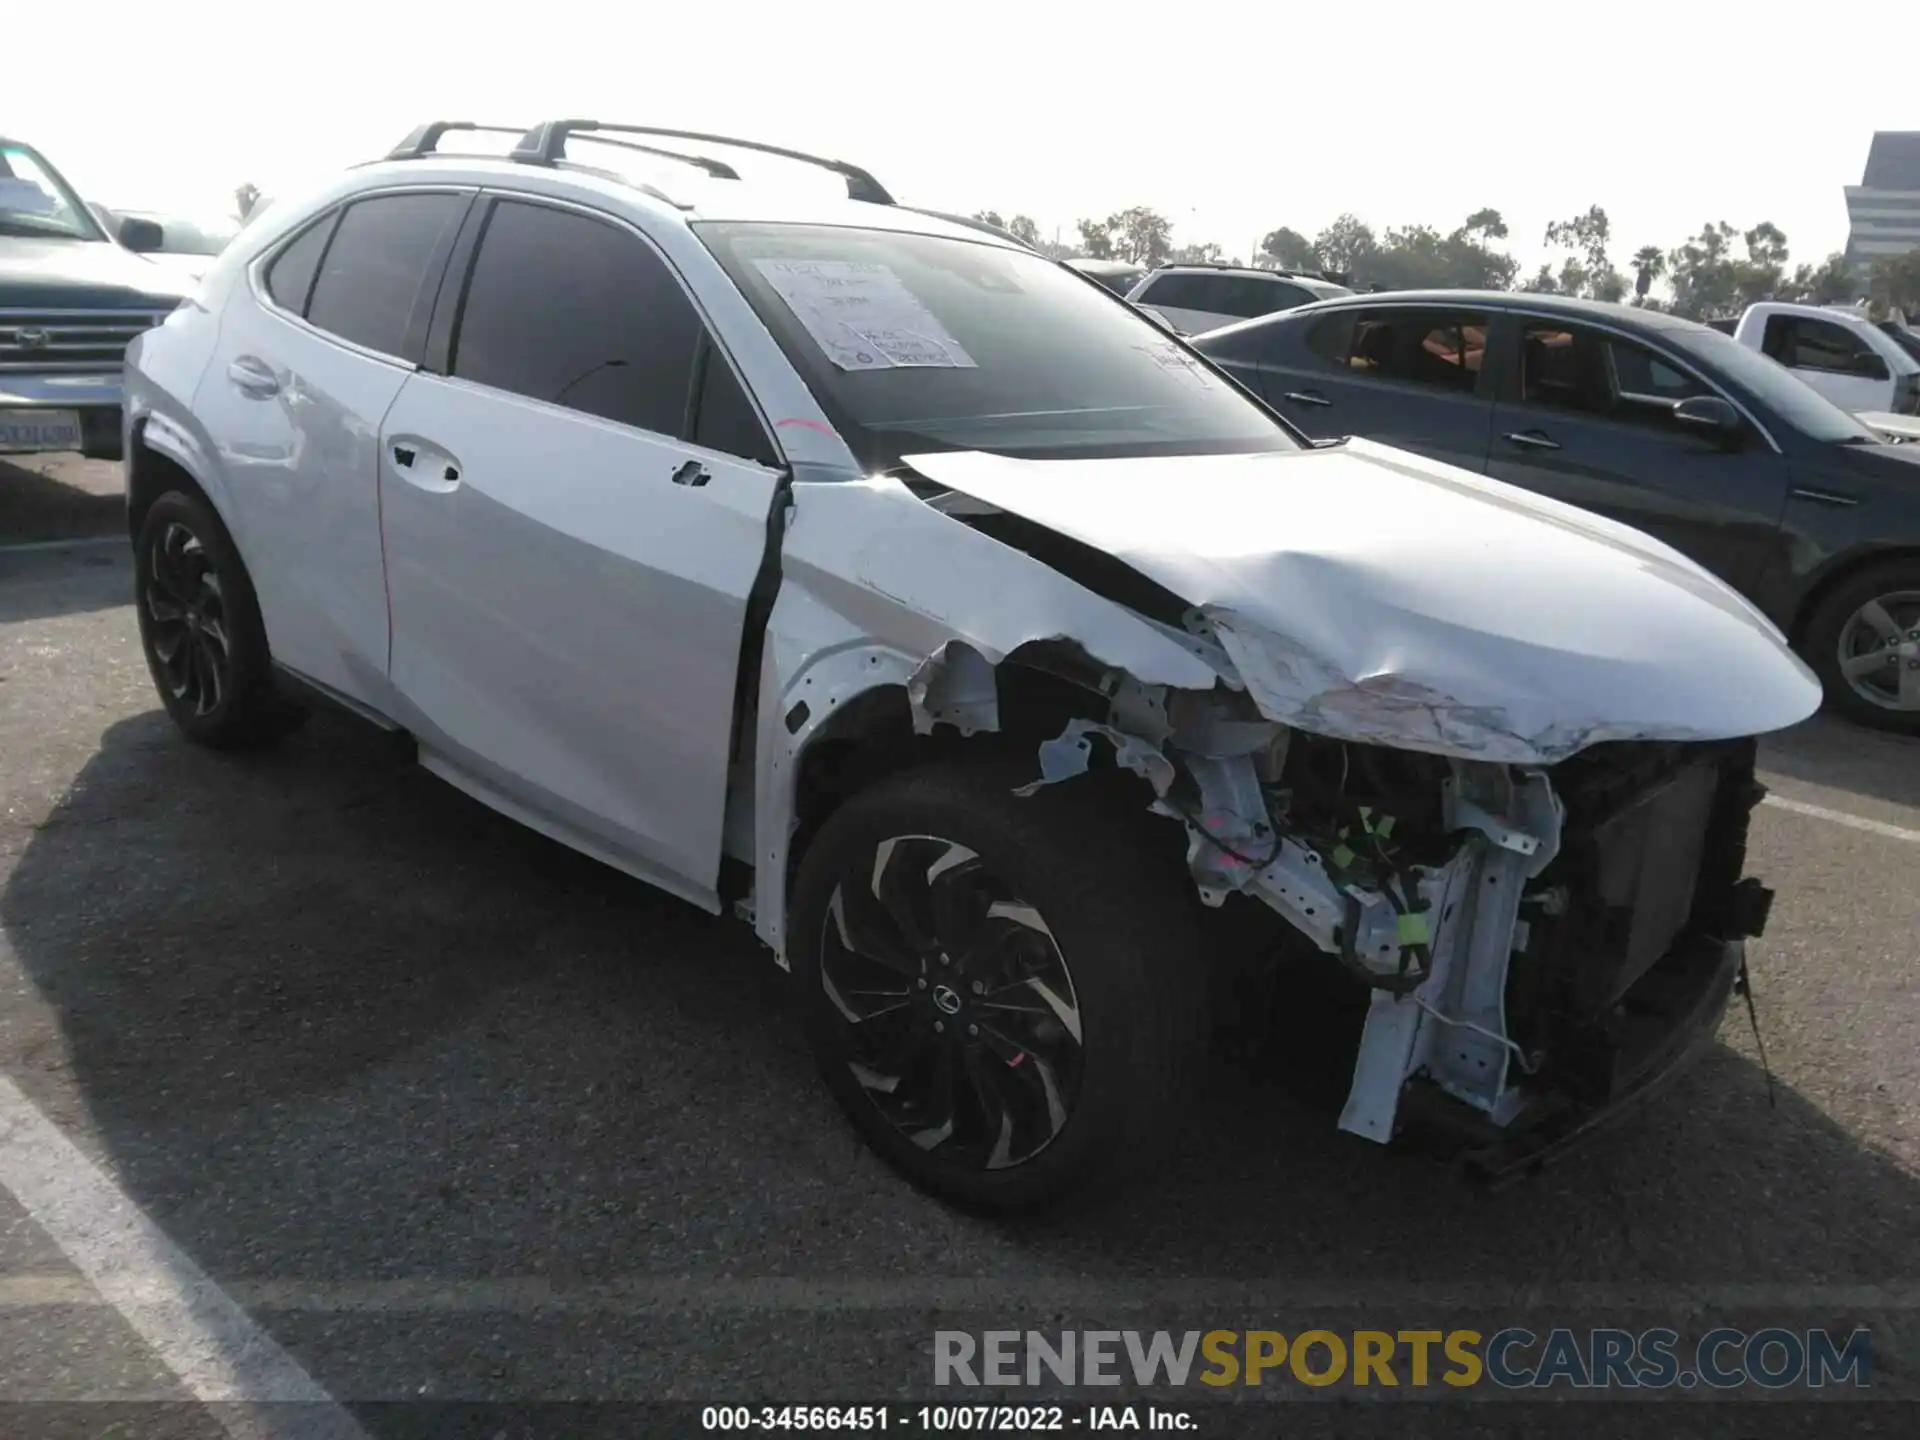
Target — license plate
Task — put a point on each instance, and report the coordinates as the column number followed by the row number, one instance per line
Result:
column 29, row 431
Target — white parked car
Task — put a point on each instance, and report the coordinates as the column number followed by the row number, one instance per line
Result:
column 981, row 643
column 1193, row 299
column 1838, row 351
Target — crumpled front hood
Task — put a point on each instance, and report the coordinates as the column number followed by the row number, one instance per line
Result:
column 82, row 275
column 1369, row 594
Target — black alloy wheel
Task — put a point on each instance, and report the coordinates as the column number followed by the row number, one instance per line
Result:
column 964, row 1025
column 1005, row 994
column 186, row 615
column 200, row 627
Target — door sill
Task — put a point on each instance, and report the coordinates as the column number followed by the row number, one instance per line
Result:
column 465, row 781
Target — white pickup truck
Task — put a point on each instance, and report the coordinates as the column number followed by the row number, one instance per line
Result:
column 1861, row 366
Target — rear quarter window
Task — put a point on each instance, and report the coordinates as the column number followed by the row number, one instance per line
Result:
column 290, row 275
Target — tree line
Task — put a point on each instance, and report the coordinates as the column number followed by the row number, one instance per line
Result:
column 1717, row 272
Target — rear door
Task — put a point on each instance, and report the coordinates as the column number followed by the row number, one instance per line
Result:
column 1832, row 358
column 1586, row 416
column 576, row 512
column 309, row 359
column 1413, row 377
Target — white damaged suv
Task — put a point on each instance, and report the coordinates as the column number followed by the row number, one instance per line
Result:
column 984, row 646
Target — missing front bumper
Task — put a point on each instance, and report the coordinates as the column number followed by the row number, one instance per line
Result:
column 1677, row 1010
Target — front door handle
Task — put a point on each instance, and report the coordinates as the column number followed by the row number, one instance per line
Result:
column 692, row 473
column 1306, row 397
column 254, row 378
column 1531, row 439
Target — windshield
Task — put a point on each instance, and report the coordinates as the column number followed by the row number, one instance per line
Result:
column 33, row 201
column 920, row 343
column 1775, row 387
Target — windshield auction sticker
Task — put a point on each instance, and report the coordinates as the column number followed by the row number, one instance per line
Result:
column 862, row 317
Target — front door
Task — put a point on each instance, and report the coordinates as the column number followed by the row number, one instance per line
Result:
column 575, row 515
column 1587, row 417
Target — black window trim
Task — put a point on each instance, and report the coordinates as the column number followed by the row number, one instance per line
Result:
column 417, row 326
column 490, row 198
column 1645, row 342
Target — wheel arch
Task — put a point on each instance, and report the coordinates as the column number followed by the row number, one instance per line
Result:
column 1838, row 573
column 161, row 458
column 853, row 723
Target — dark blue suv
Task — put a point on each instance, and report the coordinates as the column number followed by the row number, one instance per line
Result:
column 1646, row 418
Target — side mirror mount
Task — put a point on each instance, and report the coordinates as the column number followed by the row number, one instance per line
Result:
column 143, row 237
column 1712, row 418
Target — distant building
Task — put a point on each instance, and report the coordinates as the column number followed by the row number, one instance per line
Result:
column 1883, row 210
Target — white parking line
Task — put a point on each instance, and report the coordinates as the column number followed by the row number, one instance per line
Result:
column 26, row 547
column 1841, row 817
column 219, row 1355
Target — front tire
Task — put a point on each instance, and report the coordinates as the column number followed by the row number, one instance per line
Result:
column 1863, row 641
column 200, row 627
column 1005, row 995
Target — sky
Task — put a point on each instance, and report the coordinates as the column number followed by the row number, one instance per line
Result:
column 1237, row 120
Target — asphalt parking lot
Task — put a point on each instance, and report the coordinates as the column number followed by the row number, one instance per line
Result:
column 418, row 1106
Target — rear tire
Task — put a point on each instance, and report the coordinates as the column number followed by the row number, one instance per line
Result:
column 1869, row 624
column 200, row 628
column 1048, row 963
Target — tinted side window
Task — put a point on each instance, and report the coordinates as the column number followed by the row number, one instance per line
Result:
column 724, row 419
column 290, row 277
column 1182, row 292
column 578, row 312
column 1640, row 373
column 1443, row 350
column 377, row 268
column 1818, row 345
column 1245, row 295
column 1332, row 338
column 1601, row 375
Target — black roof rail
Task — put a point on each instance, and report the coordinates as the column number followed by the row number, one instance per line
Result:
column 425, row 140
column 546, row 144
column 718, row 169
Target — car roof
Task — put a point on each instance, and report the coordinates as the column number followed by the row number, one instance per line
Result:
column 677, row 177
column 1201, row 267
column 673, row 197
column 1566, row 306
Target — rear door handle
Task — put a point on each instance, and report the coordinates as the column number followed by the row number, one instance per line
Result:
column 692, row 473
column 1306, row 397
column 421, row 464
column 254, row 378
column 1531, row 439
